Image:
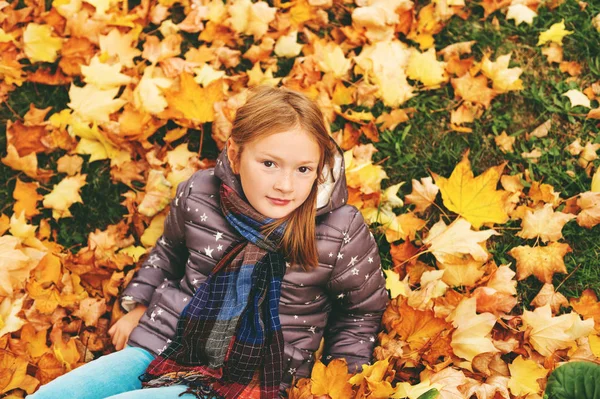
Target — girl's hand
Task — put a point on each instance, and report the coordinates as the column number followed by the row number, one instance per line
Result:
column 121, row 330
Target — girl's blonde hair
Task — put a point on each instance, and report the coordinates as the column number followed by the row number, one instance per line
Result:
column 272, row 110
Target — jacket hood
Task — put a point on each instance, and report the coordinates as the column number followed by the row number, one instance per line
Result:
column 332, row 193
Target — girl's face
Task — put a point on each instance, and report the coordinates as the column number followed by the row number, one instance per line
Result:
column 277, row 171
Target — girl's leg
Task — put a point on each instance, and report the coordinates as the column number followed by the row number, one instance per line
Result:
column 171, row 392
column 108, row 375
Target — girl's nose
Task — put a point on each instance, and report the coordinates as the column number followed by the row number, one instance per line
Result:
column 284, row 183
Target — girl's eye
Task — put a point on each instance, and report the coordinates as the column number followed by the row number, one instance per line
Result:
column 268, row 164
column 304, row 169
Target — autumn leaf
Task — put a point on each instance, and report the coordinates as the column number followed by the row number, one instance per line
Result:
column 40, row 44
column 472, row 334
column 474, row 198
column 544, row 223
column 423, row 194
column 93, row 104
column 524, row 375
column 457, row 238
column 542, row 262
column 331, row 380
column 554, row 34
column 193, row 102
column 426, row 68
column 63, row 195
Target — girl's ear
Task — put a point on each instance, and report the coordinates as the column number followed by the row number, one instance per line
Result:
column 232, row 154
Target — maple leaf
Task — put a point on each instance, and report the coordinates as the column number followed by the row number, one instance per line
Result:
column 395, row 285
column 148, row 95
column 158, row 193
column 426, row 68
column 90, row 310
column 548, row 295
column 258, row 77
column 457, row 238
column 120, row 46
column 193, row 102
column 104, row 76
column 474, row 89
column 505, row 142
column 577, row 98
column 596, row 182
column 544, row 223
column 207, row 74
column 331, row 380
column 14, row 374
column 26, row 197
column 423, row 194
column 9, row 308
column 520, row 13
column 524, row 375
column 472, row 334
column 331, row 59
column 287, row 46
column 448, row 379
column 587, row 305
column 475, row 199
column 542, row 262
column 40, row 45
column 385, row 62
column 250, row 18
column 373, row 376
column 94, row 104
column 413, row 326
column 504, row 78
column 548, row 334
column 63, row 195
column 555, row 34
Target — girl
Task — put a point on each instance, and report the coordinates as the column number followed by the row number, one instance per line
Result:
column 260, row 258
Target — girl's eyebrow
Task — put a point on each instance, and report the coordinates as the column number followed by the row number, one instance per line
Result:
column 264, row 154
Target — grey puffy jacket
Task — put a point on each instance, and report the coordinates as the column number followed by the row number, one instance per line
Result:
column 342, row 300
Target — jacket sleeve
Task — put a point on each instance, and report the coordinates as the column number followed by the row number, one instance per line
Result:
column 166, row 260
column 359, row 297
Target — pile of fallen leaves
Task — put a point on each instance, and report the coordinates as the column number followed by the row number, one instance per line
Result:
column 453, row 324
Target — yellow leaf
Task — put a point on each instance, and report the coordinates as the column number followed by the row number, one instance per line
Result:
column 94, row 104
column 548, row 334
column 475, row 199
column 251, row 18
column 331, row 59
column 63, row 195
column 504, row 78
column 457, row 238
column 287, row 46
column 194, row 102
column 9, row 321
column 158, row 193
column 104, row 76
column 331, row 380
column 544, row 223
column 596, row 181
column 426, row 68
column 154, row 230
column 578, row 98
column 423, row 194
column 40, row 45
column 206, row 75
column 258, row 77
column 473, row 331
column 589, row 202
column 148, row 95
column 395, row 285
column 6, row 37
column 14, row 371
column 520, row 13
column 542, row 262
column 554, row 34
column 524, row 376
column 120, row 46
column 136, row 251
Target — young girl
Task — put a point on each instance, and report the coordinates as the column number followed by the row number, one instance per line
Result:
column 260, row 258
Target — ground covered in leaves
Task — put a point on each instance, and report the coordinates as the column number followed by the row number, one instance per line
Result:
column 471, row 139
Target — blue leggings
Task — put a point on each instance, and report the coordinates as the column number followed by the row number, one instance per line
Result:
column 113, row 376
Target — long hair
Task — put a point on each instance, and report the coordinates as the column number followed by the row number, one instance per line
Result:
column 271, row 110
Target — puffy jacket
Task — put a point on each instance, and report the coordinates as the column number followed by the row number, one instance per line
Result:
column 342, row 300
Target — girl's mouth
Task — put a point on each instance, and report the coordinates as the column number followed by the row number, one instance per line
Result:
column 278, row 202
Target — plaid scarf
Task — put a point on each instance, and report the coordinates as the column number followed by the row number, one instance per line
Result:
column 229, row 342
